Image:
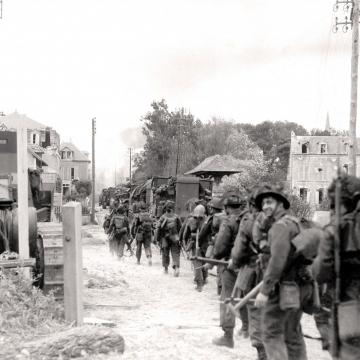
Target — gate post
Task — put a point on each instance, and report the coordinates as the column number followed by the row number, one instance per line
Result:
column 73, row 279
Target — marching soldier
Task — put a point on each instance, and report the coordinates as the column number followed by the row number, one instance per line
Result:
column 280, row 293
column 119, row 229
column 234, row 206
column 209, row 232
column 244, row 255
column 142, row 233
column 190, row 236
column 167, row 233
column 338, row 265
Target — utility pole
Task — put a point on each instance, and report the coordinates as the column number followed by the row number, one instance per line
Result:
column 130, row 150
column 353, row 21
column 93, row 121
column 1, row 9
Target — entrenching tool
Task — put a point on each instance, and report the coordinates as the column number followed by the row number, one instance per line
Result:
column 235, row 308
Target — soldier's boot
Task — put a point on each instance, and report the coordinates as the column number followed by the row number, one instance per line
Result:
column 149, row 261
column 138, row 261
column 261, row 354
column 226, row 340
column 199, row 286
column 176, row 271
column 166, row 271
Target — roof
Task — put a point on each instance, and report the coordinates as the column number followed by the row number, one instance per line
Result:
column 15, row 120
column 78, row 155
column 219, row 165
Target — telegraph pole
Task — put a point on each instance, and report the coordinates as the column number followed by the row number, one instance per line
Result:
column 130, row 150
column 93, row 121
column 353, row 21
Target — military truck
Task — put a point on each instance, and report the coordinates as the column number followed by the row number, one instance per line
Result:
column 181, row 189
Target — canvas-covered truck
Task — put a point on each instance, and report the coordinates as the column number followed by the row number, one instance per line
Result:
column 181, row 189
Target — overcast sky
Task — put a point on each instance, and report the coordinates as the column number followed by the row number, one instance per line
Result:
column 63, row 62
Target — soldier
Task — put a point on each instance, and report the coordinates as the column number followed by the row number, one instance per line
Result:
column 324, row 266
column 234, row 205
column 209, row 232
column 142, row 232
column 190, row 236
column 283, row 282
column 167, row 233
column 119, row 228
column 244, row 255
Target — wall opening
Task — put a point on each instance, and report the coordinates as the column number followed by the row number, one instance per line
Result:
column 305, row 148
column 303, row 193
column 323, row 149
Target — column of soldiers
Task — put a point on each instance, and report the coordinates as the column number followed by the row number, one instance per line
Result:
column 287, row 260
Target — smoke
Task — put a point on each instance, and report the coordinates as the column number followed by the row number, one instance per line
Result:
column 133, row 137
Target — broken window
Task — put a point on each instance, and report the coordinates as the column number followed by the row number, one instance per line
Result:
column 323, row 148
column 346, row 168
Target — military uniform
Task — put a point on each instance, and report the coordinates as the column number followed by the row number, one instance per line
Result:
column 222, row 250
column 168, row 229
column 284, row 283
column 244, row 255
column 209, row 231
column 120, row 235
column 142, row 232
column 324, row 266
column 190, row 236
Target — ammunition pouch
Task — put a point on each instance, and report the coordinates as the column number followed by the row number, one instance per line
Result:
column 349, row 319
column 289, row 294
column 121, row 232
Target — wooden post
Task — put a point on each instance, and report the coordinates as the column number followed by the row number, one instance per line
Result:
column 73, row 283
column 354, row 85
column 23, row 191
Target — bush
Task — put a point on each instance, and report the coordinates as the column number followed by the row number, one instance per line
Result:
column 24, row 309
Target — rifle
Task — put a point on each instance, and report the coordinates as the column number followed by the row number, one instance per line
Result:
column 336, row 302
column 210, row 261
column 235, row 309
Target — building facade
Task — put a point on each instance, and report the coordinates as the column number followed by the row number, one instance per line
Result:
column 74, row 165
column 313, row 165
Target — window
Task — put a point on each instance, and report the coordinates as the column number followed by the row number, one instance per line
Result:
column 346, row 148
column 346, row 168
column 69, row 155
column 3, row 141
column 321, row 195
column 323, row 148
column 72, row 173
column 303, row 194
column 305, row 148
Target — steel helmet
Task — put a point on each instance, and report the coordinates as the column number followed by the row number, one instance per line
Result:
column 216, row 204
column 199, row 211
column 234, row 198
column 273, row 191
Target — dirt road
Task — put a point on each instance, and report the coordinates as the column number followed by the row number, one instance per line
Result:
column 160, row 317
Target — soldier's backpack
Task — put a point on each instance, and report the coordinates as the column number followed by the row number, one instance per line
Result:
column 171, row 229
column 120, row 224
column 145, row 221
